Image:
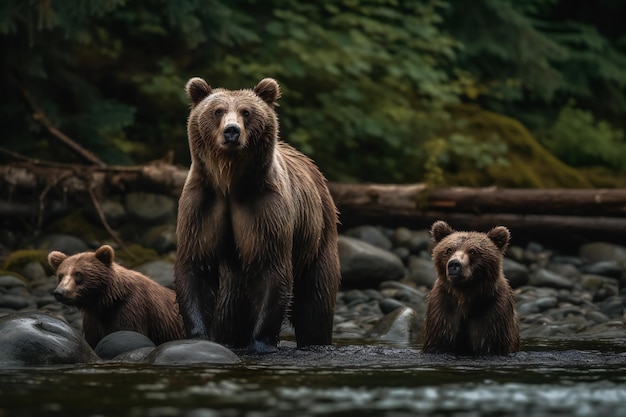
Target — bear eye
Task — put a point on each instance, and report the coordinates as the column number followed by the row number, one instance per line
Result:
column 245, row 113
column 473, row 251
column 219, row 112
column 78, row 277
column 448, row 251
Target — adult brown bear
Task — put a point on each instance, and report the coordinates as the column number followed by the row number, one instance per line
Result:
column 257, row 227
column 471, row 307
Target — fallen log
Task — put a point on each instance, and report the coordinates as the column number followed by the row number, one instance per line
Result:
column 577, row 214
column 386, row 198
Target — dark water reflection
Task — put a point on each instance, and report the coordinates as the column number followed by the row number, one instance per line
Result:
column 260, row 390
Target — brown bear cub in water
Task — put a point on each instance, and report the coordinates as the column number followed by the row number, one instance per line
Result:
column 257, row 227
column 111, row 297
column 471, row 307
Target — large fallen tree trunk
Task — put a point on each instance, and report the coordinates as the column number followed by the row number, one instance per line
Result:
column 564, row 213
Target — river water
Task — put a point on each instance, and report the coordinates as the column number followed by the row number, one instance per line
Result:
column 545, row 380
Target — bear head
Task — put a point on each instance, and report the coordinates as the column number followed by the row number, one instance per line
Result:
column 223, row 124
column 83, row 278
column 468, row 259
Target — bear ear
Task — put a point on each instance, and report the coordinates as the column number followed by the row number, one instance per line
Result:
column 105, row 254
column 197, row 90
column 269, row 91
column 500, row 235
column 55, row 258
column 439, row 230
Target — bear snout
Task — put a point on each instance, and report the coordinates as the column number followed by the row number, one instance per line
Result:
column 59, row 294
column 454, row 267
column 231, row 134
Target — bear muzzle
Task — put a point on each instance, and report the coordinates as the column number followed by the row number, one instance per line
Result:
column 455, row 271
column 231, row 134
column 61, row 296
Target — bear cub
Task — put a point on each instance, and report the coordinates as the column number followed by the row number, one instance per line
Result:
column 471, row 308
column 111, row 297
column 257, row 227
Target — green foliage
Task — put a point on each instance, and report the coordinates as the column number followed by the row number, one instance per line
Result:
column 367, row 84
column 364, row 81
column 580, row 140
column 533, row 55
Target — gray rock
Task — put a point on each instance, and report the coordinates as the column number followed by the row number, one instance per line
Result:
column 122, row 341
column 14, row 302
column 191, row 352
column 372, row 235
column 69, row 245
column 403, row 326
column 150, row 208
column 366, row 266
column 33, row 271
column 10, row 281
column 421, row 271
column 611, row 269
column 134, row 356
column 161, row 238
column 516, row 273
column 601, row 251
column 387, row 305
column 36, row 338
column 613, row 307
column 545, row 278
column 160, row 271
column 591, row 282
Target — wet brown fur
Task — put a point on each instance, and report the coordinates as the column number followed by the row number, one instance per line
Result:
column 472, row 313
column 111, row 297
column 257, row 227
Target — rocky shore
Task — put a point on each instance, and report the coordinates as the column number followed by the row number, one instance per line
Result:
column 386, row 275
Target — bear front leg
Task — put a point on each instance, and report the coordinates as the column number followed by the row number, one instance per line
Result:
column 269, row 291
column 315, row 296
column 196, row 289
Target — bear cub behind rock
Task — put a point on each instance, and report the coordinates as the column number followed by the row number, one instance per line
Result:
column 257, row 227
column 111, row 297
column 471, row 307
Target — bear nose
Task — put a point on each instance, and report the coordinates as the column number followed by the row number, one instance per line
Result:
column 231, row 134
column 454, row 267
column 58, row 294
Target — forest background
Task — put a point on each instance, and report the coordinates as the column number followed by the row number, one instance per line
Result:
column 515, row 93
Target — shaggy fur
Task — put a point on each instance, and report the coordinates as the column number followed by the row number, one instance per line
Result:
column 111, row 297
column 257, row 227
column 471, row 307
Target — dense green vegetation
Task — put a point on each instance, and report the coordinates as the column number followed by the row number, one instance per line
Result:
column 373, row 90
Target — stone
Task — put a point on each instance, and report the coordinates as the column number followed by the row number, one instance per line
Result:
column 33, row 271
column 159, row 271
column 122, row 341
column 36, row 338
column 150, row 208
column 191, row 352
column 70, row 245
column 602, row 251
column 421, row 271
column 611, row 269
column 161, row 238
column 516, row 273
column 387, row 305
column 403, row 327
column 370, row 234
column 545, row 278
column 366, row 266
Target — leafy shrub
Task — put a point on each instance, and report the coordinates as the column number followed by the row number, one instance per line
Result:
column 580, row 140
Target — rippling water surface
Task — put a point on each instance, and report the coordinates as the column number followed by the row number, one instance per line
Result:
column 256, row 390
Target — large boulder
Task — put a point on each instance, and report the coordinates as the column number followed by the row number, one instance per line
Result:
column 36, row 338
column 366, row 266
